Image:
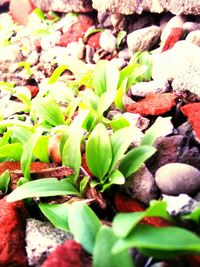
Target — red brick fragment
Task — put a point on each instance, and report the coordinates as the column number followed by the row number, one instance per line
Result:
column 193, row 261
column 77, row 30
column 33, row 89
column 153, row 104
column 20, row 10
column 192, row 111
column 70, row 254
column 12, row 234
column 94, row 40
column 175, row 36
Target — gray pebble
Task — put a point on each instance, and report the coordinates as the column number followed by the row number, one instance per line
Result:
column 107, row 41
column 178, row 178
column 41, row 239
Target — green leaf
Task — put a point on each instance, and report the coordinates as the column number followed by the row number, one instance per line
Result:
column 26, row 66
column 4, row 181
column 124, row 223
column 40, row 150
column 83, row 224
column 126, row 72
column 134, row 159
column 161, row 127
column 27, row 154
column 84, row 182
column 145, row 59
column 193, row 216
column 46, row 187
column 136, row 76
column 57, row 214
column 71, row 151
column 120, row 37
column 119, row 123
column 11, row 151
column 102, row 256
column 21, row 133
column 57, row 73
column 165, row 239
column 5, row 139
column 91, row 31
column 120, row 141
column 49, row 110
column 105, row 77
column 105, row 101
column 39, row 13
column 116, row 177
column 119, row 98
column 99, row 151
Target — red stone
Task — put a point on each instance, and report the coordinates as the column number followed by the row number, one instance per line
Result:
column 77, row 30
column 192, row 111
column 12, row 234
column 175, row 36
column 70, row 254
column 20, row 10
column 93, row 40
column 153, row 104
column 33, row 89
column 193, row 261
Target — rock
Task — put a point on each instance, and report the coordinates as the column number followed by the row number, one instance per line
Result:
column 94, row 40
column 143, row 39
column 139, row 6
column 141, row 186
column 169, row 64
column 76, row 49
column 194, row 37
column 174, row 36
column 145, row 88
column 108, row 41
column 174, row 22
column 20, row 10
column 76, row 30
column 180, row 205
column 12, row 233
column 191, row 26
column 125, row 53
column 141, row 21
column 41, row 239
column 70, row 254
column 64, row 5
column 187, row 83
column 137, row 120
column 178, row 178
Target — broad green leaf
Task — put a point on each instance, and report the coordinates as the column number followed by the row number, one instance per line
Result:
column 99, row 151
column 27, row 154
column 5, row 139
column 4, row 181
column 165, row 239
column 40, row 150
column 21, row 133
column 83, row 224
column 119, row 123
column 46, row 187
column 105, row 101
column 116, row 177
column 49, row 110
column 105, row 77
column 57, row 214
column 57, row 73
column 126, row 72
column 71, row 152
column 102, row 256
column 11, row 151
column 84, row 182
column 90, row 99
column 120, row 37
column 124, row 223
column 161, row 127
column 134, row 159
column 120, row 141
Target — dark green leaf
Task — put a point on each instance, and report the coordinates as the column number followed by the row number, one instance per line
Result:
column 57, row 214
column 99, row 151
column 46, row 187
column 83, row 224
column 4, row 181
column 134, row 159
column 102, row 256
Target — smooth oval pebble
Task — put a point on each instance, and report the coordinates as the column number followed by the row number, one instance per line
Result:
column 178, row 178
